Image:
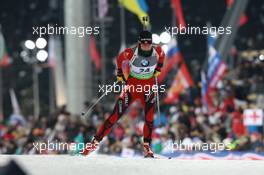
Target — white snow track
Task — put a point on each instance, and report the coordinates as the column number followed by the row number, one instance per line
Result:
column 108, row 165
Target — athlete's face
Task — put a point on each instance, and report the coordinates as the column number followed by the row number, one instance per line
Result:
column 145, row 46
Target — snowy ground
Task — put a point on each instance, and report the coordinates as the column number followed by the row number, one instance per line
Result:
column 106, row 165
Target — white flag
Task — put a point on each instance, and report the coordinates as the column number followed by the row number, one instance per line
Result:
column 14, row 102
column 102, row 8
column 253, row 117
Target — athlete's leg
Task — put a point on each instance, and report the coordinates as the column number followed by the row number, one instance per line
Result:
column 149, row 117
column 121, row 105
column 149, row 104
column 123, row 102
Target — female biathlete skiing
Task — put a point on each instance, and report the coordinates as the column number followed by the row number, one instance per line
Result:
column 145, row 63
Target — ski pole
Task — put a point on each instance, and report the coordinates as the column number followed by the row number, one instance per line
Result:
column 84, row 114
column 157, row 96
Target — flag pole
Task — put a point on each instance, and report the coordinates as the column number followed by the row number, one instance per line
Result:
column 103, row 51
column 262, row 138
column 122, row 28
column 1, row 97
column 1, row 91
column 35, row 90
column 52, row 96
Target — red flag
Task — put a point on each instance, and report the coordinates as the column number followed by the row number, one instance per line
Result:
column 94, row 53
column 4, row 57
column 169, row 64
column 218, row 74
column 181, row 82
column 173, row 57
column 5, row 61
column 243, row 18
column 178, row 12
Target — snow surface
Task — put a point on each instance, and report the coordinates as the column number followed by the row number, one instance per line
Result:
column 108, row 165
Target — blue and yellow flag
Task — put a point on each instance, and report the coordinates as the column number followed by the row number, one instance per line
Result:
column 138, row 7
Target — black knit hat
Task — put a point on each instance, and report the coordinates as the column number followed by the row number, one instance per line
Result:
column 145, row 37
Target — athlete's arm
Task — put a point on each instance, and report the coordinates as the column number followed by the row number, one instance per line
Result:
column 161, row 57
column 125, row 55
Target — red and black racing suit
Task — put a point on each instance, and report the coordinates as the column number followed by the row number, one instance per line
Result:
column 142, row 70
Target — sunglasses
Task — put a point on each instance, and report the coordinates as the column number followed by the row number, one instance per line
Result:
column 145, row 42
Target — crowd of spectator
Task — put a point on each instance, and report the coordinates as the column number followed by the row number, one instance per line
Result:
column 185, row 121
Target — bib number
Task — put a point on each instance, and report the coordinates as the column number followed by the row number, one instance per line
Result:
column 144, row 70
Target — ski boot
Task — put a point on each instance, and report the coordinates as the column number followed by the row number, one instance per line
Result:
column 148, row 153
column 90, row 147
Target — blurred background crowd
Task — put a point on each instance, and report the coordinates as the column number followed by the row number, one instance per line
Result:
column 184, row 121
column 45, row 81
